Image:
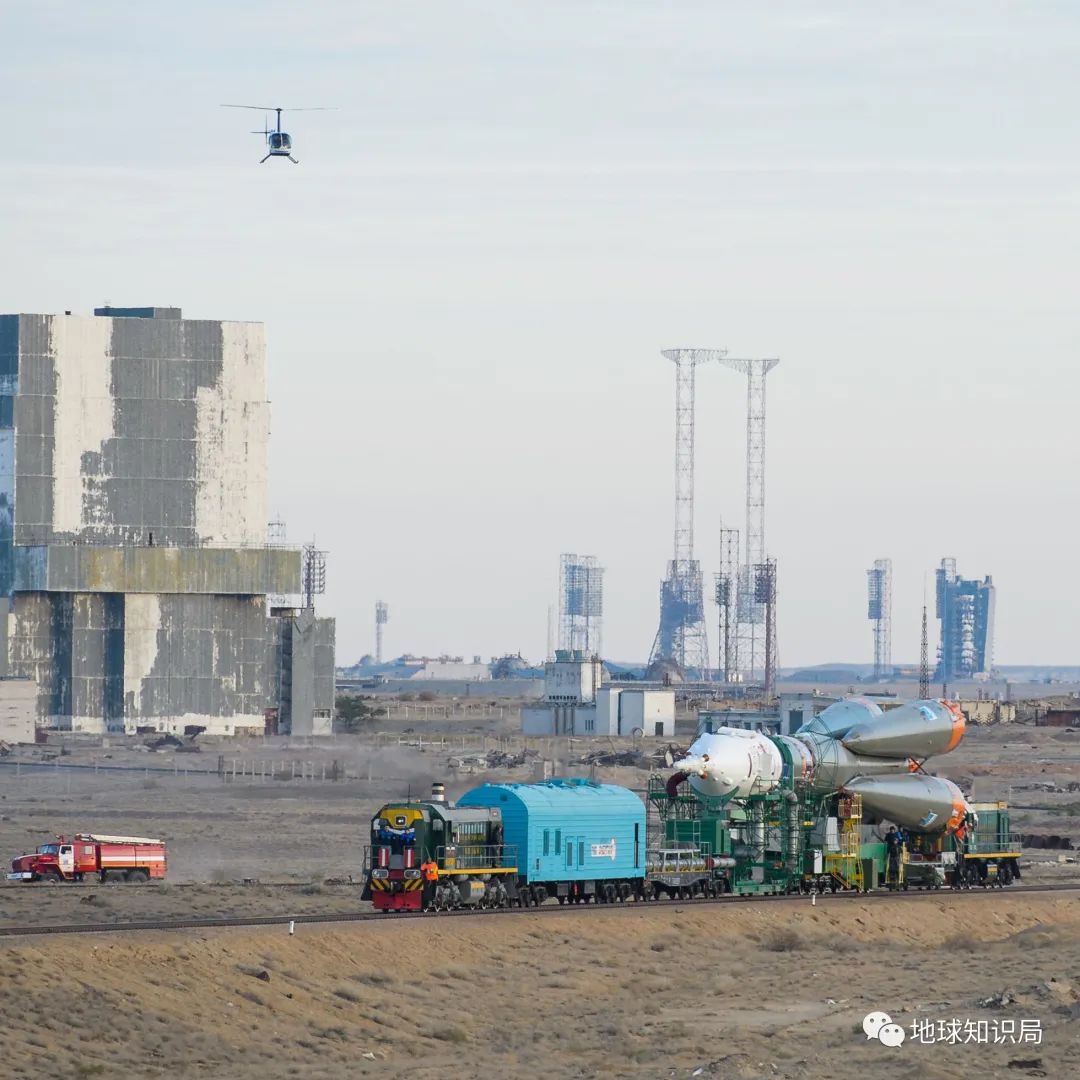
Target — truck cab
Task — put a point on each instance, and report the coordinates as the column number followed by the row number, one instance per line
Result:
column 51, row 862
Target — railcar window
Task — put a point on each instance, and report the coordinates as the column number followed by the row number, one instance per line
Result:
column 547, row 841
column 581, row 853
column 558, row 841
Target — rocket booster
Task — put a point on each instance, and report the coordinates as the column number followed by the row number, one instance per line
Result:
column 916, row 801
column 918, row 729
column 852, row 745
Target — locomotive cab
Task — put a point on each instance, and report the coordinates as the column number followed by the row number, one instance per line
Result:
column 431, row 855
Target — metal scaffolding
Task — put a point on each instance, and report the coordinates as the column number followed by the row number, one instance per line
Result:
column 879, row 611
column 752, row 614
column 681, row 635
column 581, row 603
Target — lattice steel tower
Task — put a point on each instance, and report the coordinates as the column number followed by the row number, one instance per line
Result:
column 581, row 603
column 382, row 617
column 879, row 611
column 726, row 584
column 751, row 612
column 681, row 635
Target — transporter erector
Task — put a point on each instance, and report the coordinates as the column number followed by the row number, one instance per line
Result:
column 814, row 808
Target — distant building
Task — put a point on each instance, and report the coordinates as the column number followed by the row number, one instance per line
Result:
column 134, row 563
column 965, row 611
column 578, row 702
column 786, row 718
column 451, row 669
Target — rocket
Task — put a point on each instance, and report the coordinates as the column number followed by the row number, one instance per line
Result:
column 852, row 746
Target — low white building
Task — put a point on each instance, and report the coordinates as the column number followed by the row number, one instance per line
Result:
column 629, row 711
column 577, row 702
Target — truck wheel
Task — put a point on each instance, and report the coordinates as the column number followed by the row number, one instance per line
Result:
column 138, row 877
column 52, row 877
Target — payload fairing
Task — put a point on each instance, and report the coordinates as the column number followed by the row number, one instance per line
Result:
column 852, row 746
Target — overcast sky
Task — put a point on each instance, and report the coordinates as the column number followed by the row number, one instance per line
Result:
column 467, row 282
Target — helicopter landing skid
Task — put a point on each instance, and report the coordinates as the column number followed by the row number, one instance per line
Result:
column 289, row 156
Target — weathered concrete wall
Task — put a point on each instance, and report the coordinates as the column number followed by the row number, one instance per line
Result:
column 302, row 656
column 133, row 566
column 235, row 571
column 131, row 426
column 193, row 659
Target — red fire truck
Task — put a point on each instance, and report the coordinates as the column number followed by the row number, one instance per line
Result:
column 92, row 855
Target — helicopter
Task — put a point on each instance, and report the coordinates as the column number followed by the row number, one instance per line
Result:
column 278, row 142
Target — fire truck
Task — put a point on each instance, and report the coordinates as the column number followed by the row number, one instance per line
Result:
column 91, row 855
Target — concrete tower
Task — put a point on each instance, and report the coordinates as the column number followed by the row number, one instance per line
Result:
column 134, row 563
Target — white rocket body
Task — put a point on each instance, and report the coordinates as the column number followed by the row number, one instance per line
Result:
column 852, row 745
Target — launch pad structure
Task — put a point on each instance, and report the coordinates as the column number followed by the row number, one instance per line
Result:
column 744, row 589
column 681, row 635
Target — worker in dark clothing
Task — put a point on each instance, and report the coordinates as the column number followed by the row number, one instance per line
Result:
column 894, row 845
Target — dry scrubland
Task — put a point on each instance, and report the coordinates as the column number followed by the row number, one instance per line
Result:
column 741, row 991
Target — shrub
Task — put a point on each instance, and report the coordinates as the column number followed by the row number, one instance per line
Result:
column 782, row 940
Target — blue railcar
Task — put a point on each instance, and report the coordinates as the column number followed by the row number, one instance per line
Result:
column 574, row 839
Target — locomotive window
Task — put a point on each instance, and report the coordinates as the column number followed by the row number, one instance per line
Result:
column 558, row 841
column 547, row 841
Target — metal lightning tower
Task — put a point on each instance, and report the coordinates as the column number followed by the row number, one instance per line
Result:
column 581, row 603
column 382, row 617
column 726, row 584
column 924, row 661
column 312, row 575
column 751, row 612
column 681, row 635
column 879, row 611
column 765, row 595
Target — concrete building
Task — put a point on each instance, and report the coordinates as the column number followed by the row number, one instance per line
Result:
column 134, row 567
column 631, row 711
column 785, row 718
column 573, row 677
column 578, row 702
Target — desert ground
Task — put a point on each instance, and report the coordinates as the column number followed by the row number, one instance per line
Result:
column 749, row 990
column 742, row 990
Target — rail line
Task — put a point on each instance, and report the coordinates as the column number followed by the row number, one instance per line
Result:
column 546, row 910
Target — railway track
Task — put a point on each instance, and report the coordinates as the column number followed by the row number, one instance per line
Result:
column 545, row 910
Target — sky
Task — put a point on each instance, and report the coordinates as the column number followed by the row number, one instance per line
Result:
column 467, row 283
